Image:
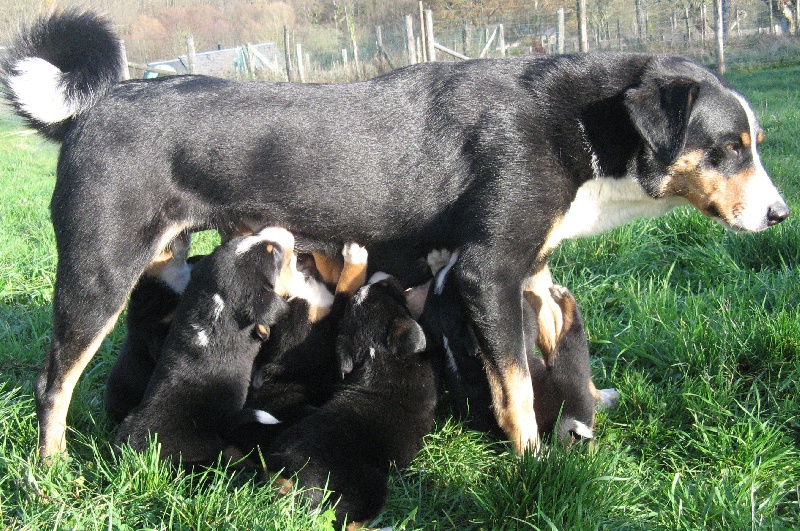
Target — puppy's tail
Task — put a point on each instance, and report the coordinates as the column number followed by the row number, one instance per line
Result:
column 59, row 67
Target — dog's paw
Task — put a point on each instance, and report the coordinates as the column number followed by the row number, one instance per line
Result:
column 437, row 259
column 607, row 399
column 560, row 293
column 353, row 253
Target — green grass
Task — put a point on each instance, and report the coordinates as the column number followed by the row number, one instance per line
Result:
column 697, row 327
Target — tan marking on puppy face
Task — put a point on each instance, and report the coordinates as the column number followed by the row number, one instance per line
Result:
column 353, row 526
column 711, row 192
column 285, row 277
column 512, row 401
column 746, row 140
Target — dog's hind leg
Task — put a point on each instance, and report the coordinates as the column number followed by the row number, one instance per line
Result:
column 494, row 303
column 90, row 292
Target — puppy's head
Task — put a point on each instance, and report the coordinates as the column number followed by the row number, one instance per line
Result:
column 260, row 264
column 564, row 394
column 702, row 145
column 377, row 328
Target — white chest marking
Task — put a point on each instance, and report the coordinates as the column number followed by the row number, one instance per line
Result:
column 604, row 203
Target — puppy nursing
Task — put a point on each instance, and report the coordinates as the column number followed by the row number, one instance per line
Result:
column 201, row 377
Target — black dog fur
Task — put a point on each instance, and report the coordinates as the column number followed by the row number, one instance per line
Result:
column 502, row 158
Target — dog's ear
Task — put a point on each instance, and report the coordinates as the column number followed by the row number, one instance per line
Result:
column 660, row 110
column 405, row 337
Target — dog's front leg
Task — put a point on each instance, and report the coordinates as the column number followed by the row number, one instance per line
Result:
column 494, row 303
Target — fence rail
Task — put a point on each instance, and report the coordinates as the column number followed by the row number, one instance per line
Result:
column 715, row 32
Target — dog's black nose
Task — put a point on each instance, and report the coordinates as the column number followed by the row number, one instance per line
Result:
column 777, row 213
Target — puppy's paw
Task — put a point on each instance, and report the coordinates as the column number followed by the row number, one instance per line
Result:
column 437, row 259
column 607, row 399
column 560, row 293
column 353, row 253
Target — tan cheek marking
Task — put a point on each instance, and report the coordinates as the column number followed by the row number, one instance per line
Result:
column 746, row 140
column 709, row 191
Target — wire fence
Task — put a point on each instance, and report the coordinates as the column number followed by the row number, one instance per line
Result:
column 753, row 36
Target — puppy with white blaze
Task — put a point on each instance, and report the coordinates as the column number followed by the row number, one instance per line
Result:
column 500, row 158
column 201, row 378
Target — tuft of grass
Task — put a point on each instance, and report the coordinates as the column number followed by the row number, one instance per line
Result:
column 698, row 328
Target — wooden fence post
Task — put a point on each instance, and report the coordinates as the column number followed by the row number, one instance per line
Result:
column 287, row 53
column 429, row 40
column 126, row 73
column 191, row 55
column 583, row 30
column 501, row 40
column 720, row 38
column 466, row 36
column 688, row 26
column 300, row 70
column 560, row 30
column 424, row 57
column 411, row 47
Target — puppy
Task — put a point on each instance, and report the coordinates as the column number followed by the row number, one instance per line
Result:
column 565, row 394
column 150, row 312
column 297, row 369
column 377, row 415
column 201, row 377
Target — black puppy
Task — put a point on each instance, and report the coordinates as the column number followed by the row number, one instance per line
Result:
column 151, row 310
column 201, row 377
column 297, row 369
column 565, row 394
column 377, row 415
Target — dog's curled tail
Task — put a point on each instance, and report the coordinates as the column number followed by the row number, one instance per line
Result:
column 60, row 66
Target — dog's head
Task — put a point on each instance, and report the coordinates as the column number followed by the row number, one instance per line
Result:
column 701, row 144
column 250, row 275
column 377, row 327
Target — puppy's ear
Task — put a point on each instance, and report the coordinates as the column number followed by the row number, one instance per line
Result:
column 660, row 110
column 406, row 337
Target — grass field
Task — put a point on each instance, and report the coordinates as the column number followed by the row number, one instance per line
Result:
column 698, row 328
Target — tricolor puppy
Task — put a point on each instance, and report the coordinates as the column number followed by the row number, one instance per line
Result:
column 151, row 310
column 378, row 413
column 502, row 158
column 200, row 380
column 566, row 397
column 297, row 368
